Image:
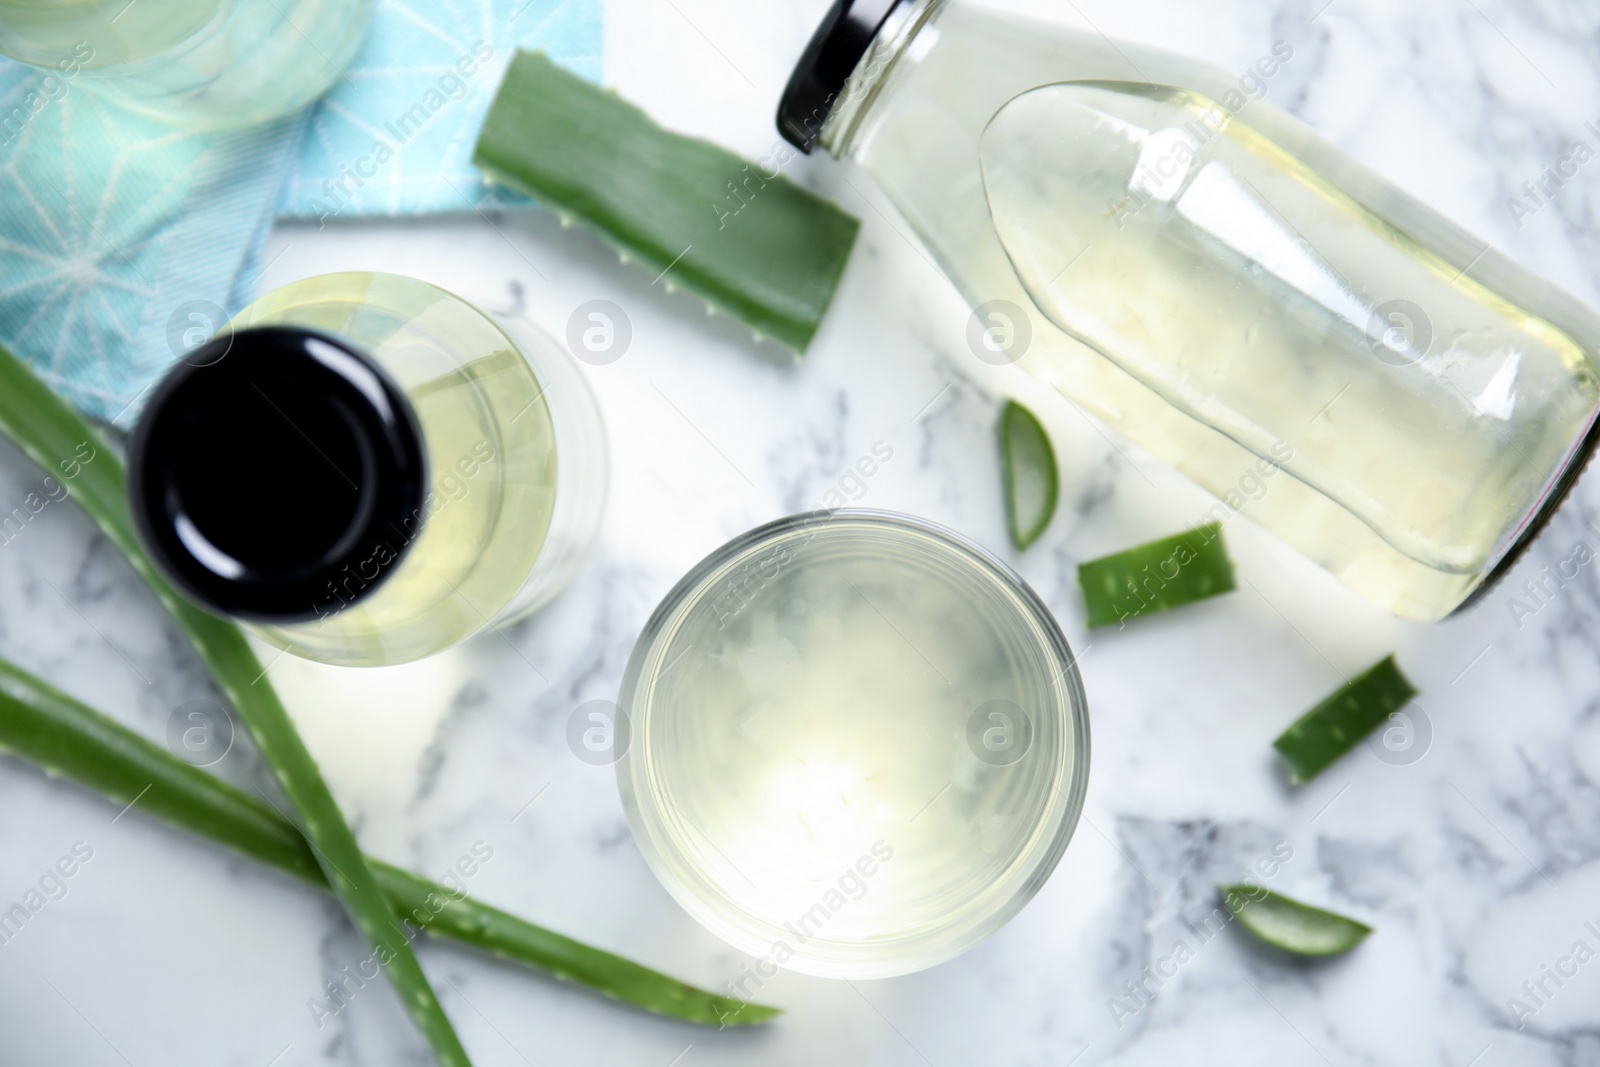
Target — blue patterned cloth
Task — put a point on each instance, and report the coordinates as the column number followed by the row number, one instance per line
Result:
column 123, row 242
column 395, row 136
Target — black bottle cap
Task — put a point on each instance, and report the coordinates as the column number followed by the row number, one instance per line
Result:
column 836, row 48
column 277, row 475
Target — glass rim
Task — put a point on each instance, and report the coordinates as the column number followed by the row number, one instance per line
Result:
column 965, row 925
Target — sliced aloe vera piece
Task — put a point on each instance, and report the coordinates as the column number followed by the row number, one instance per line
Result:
column 41, row 724
column 1028, row 474
column 1158, row 576
column 1290, row 925
column 1336, row 725
column 747, row 241
column 52, row 434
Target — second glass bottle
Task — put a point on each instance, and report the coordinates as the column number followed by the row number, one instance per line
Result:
column 367, row 469
column 1208, row 276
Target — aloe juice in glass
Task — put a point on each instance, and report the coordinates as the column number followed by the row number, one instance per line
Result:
column 1222, row 286
column 367, row 469
column 853, row 744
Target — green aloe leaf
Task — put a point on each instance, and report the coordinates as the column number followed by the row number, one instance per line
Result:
column 1158, row 576
column 1290, row 925
column 1338, row 723
column 45, row 726
column 50, row 433
column 1028, row 474
column 741, row 236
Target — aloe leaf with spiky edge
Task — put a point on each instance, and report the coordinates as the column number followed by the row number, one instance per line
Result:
column 50, row 433
column 41, row 724
column 742, row 237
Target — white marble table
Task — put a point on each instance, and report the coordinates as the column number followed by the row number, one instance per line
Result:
column 1476, row 862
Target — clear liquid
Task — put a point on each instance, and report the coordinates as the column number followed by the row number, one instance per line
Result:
column 1227, row 288
column 198, row 63
column 1226, row 291
column 491, row 466
column 815, row 722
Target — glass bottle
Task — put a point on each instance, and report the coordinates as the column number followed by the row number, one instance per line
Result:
column 201, row 64
column 366, row 469
column 1222, row 286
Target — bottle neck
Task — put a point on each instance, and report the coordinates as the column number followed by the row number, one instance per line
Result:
column 269, row 465
column 872, row 74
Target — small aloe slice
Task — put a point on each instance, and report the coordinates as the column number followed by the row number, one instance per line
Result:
column 43, row 725
column 1158, row 576
column 1028, row 474
column 747, row 241
column 50, row 433
column 1290, row 925
column 1335, row 726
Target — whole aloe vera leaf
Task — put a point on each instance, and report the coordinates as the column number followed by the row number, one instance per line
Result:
column 50, row 433
column 43, row 725
column 746, row 240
